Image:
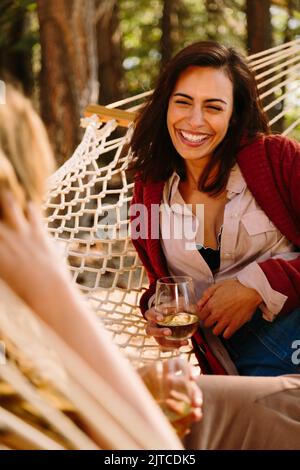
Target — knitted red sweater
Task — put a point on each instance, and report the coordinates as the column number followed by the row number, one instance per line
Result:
column 271, row 168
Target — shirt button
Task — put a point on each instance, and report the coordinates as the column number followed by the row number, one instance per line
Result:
column 227, row 255
column 235, row 215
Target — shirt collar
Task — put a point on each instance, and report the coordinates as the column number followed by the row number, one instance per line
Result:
column 235, row 185
column 236, row 182
column 172, row 193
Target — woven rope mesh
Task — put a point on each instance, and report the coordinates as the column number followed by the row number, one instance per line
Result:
column 88, row 200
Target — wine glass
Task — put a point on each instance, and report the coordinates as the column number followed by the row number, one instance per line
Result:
column 176, row 302
column 170, row 383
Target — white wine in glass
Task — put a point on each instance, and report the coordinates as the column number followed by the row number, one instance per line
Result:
column 175, row 301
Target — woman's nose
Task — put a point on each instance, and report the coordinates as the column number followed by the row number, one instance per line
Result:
column 196, row 117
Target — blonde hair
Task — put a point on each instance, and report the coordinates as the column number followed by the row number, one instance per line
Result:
column 26, row 158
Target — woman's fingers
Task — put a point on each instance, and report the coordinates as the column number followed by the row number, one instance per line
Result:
column 220, row 326
column 185, row 419
column 194, row 372
column 35, row 221
column 205, row 310
column 12, row 213
column 169, row 344
column 196, row 395
column 5, row 232
column 153, row 330
column 34, row 216
column 230, row 330
column 179, row 406
column 15, row 222
column 182, row 395
column 162, row 334
column 207, row 294
column 187, row 388
column 153, row 315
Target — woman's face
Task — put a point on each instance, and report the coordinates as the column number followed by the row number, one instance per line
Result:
column 199, row 111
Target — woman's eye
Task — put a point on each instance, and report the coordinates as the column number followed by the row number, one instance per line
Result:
column 182, row 102
column 215, row 108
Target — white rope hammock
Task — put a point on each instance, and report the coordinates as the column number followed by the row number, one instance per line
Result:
column 89, row 196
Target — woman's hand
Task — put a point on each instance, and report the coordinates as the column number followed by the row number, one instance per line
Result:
column 161, row 334
column 184, row 403
column 30, row 264
column 172, row 384
column 227, row 305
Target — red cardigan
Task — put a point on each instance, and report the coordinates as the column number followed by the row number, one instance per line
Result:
column 271, row 168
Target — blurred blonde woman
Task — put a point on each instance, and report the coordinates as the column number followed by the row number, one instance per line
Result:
column 31, row 273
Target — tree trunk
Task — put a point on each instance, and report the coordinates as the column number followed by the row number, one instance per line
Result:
column 169, row 27
column 259, row 38
column 68, row 78
column 110, row 70
column 259, row 28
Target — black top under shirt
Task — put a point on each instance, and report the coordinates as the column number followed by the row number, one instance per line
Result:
column 211, row 256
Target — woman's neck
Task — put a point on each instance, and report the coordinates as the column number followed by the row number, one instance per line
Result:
column 194, row 170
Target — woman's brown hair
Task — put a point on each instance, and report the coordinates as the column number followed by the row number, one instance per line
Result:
column 154, row 156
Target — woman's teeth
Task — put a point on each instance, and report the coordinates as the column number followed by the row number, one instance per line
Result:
column 194, row 138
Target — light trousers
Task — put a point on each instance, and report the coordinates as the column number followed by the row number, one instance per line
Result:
column 248, row 413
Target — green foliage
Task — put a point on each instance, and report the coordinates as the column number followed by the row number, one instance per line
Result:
column 283, row 25
column 140, row 25
column 141, row 33
column 11, row 11
column 225, row 23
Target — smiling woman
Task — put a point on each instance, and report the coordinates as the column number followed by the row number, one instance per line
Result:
column 227, row 86
column 202, row 140
column 199, row 113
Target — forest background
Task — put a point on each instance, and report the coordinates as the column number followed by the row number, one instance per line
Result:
column 66, row 54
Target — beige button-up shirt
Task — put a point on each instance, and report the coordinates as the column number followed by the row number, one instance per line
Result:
column 248, row 237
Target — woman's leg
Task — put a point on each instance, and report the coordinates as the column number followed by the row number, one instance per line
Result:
column 245, row 413
column 262, row 348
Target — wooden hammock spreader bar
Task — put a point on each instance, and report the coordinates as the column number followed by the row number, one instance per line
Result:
column 123, row 118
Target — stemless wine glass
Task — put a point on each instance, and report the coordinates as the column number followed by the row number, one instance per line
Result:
column 175, row 300
column 170, row 383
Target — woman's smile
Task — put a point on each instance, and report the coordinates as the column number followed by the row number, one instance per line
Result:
column 193, row 139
